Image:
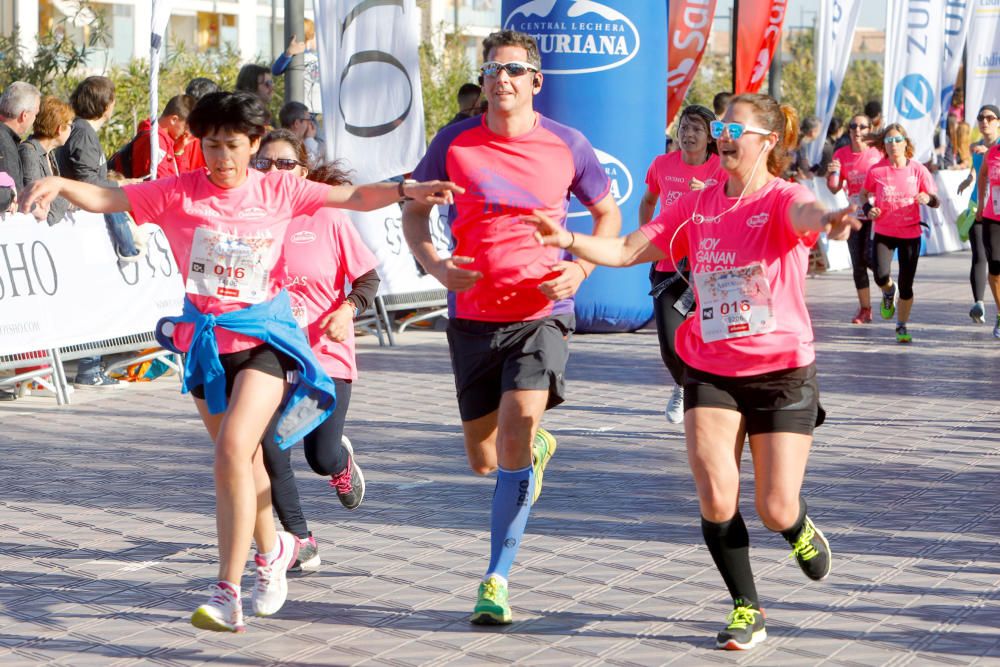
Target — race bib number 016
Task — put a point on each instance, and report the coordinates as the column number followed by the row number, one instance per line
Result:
column 229, row 267
column 734, row 303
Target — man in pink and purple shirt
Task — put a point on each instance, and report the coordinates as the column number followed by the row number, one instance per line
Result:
column 510, row 298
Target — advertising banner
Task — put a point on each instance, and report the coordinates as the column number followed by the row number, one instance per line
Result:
column 63, row 285
column 604, row 75
column 914, row 53
column 760, row 23
column 957, row 16
column 982, row 69
column 690, row 25
column 834, row 38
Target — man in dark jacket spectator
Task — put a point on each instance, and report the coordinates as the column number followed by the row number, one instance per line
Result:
column 18, row 108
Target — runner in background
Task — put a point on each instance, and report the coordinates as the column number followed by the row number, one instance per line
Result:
column 226, row 226
column 749, row 348
column 899, row 186
column 848, row 169
column 694, row 167
column 511, row 305
column 989, row 127
column 324, row 255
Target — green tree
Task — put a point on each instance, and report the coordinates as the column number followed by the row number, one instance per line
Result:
column 441, row 75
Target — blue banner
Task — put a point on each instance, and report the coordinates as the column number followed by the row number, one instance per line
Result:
column 605, row 66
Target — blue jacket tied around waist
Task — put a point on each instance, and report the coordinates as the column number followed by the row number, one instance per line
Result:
column 313, row 395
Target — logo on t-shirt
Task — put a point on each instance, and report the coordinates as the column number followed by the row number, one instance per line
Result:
column 758, row 220
column 303, row 237
column 500, row 195
column 252, row 213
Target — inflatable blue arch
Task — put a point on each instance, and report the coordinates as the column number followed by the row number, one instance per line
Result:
column 605, row 66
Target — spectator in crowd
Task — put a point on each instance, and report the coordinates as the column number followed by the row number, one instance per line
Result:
column 256, row 80
column 310, row 62
column 468, row 103
column 874, row 111
column 18, row 108
column 171, row 129
column 801, row 170
column 962, row 143
column 82, row 159
column 295, row 116
column 51, row 130
column 720, row 102
column 834, row 134
column 188, row 153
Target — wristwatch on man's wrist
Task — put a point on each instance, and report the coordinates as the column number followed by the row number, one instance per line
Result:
column 402, row 188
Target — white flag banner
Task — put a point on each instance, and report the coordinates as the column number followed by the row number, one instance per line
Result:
column 158, row 26
column 914, row 48
column 373, row 111
column 982, row 69
column 834, row 38
column 957, row 17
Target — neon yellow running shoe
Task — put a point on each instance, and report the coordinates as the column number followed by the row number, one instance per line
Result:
column 492, row 607
column 812, row 551
column 542, row 449
column 745, row 629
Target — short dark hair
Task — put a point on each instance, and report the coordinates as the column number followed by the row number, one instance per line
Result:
column 249, row 77
column 720, row 102
column 835, row 125
column 873, row 109
column 468, row 93
column 180, row 106
column 513, row 38
column 291, row 112
column 92, row 97
column 198, row 87
column 239, row 112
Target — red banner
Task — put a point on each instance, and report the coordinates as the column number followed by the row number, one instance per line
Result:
column 690, row 23
column 758, row 32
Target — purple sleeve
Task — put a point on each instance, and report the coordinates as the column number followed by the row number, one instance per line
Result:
column 433, row 166
column 590, row 182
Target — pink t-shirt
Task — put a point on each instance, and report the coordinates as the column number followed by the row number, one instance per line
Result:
column 991, row 206
column 227, row 242
column 895, row 190
column 669, row 177
column 323, row 254
column 757, row 234
column 854, row 169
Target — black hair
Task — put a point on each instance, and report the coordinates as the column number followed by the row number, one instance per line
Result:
column 249, row 77
column 705, row 115
column 720, row 102
column 239, row 112
column 835, row 124
column 873, row 109
column 470, row 92
column 291, row 112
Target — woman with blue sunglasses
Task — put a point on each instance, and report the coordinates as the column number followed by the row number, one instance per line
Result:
column 898, row 186
column 748, row 349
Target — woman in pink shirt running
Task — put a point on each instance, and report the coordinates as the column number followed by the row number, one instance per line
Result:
column 324, row 255
column 694, row 167
column 848, row 169
column 899, row 186
column 748, row 348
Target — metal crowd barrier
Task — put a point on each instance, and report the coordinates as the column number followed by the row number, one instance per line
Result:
column 436, row 299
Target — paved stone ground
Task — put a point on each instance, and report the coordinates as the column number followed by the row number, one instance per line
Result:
column 107, row 529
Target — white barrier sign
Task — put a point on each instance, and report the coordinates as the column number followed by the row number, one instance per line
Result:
column 63, row 285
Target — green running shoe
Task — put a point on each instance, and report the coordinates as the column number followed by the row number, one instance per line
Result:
column 745, row 629
column 888, row 307
column 542, row 449
column 812, row 551
column 902, row 335
column 492, row 607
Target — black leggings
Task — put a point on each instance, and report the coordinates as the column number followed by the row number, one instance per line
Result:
column 668, row 319
column 859, row 244
column 991, row 243
column 977, row 274
column 909, row 254
column 325, row 454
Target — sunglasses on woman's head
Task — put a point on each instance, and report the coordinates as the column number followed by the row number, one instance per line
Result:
column 895, row 140
column 282, row 163
column 858, row 126
column 514, row 69
column 734, row 130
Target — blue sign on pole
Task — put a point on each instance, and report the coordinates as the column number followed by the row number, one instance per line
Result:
column 605, row 66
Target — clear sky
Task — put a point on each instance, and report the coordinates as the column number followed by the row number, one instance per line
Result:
column 806, row 12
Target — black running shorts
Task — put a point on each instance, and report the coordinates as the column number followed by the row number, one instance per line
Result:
column 263, row 358
column 490, row 358
column 785, row 401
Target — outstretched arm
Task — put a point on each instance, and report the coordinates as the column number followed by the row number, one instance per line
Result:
column 379, row 195
column 620, row 251
column 95, row 198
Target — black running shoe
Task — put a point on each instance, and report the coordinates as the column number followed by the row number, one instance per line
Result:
column 349, row 484
column 745, row 629
column 812, row 551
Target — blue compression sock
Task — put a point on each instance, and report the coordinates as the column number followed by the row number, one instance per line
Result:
column 509, row 517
